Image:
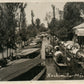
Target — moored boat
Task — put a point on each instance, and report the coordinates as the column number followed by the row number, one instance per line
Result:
column 61, row 61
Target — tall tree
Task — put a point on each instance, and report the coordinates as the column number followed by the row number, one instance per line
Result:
column 11, row 26
column 23, row 25
column 38, row 23
column 72, row 16
column 32, row 17
column 3, row 27
column 72, row 12
column 48, row 18
column 31, row 31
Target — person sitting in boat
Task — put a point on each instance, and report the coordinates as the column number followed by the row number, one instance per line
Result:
column 57, row 51
column 58, row 55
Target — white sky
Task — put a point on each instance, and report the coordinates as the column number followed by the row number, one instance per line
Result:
column 40, row 9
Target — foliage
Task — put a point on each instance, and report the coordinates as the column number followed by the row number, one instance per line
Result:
column 63, row 28
column 3, row 25
column 32, row 31
column 42, row 28
column 23, row 25
column 37, row 23
column 11, row 9
column 53, row 26
column 72, row 16
column 72, row 12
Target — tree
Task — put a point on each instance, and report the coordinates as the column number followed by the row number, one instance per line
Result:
column 72, row 12
column 72, row 16
column 23, row 26
column 11, row 26
column 48, row 18
column 32, row 17
column 8, row 24
column 37, row 23
column 12, row 8
column 53, row 7
column 42, row 28
column 31, row 31
column 3, row 27
column 53, row 26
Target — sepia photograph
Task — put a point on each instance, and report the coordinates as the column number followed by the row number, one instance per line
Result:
column 41, row 41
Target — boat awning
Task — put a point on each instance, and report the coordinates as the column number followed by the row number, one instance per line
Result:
column 27, row 51
column 79, row 26
column 79, row 30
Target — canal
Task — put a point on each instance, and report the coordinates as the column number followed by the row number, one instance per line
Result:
column 51, row 71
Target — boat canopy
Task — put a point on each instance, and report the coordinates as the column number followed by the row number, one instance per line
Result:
column 79, row 30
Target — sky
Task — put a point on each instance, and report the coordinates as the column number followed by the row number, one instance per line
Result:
column 40, row 9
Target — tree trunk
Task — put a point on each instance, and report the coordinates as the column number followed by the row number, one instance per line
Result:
column 7, row 52
column 21, row 44
column 24, row 43
column 10, row 51
column 2, row 54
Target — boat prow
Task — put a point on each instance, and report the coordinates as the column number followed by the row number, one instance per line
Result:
column 60, row 64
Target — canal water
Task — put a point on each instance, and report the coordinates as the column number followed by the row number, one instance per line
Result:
column 51, row 71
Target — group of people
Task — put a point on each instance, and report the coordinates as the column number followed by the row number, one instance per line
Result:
column 55, row 53
column 58, row 55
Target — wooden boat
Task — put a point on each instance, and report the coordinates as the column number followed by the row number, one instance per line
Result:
column 61, row 64
column 28, row 53
column 23, row 70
